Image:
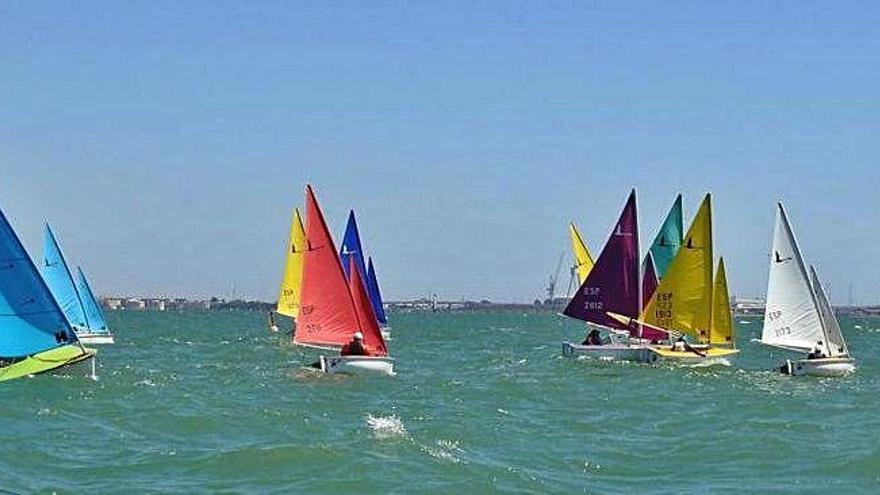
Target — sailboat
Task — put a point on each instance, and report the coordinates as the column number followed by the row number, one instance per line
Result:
column 75, row 298
column 333, row 309
column 99, row 331
column 291, row 281
column 798, row 316
column 351, row 251
column 35, row 335
column 612, row 285
column 683, row 304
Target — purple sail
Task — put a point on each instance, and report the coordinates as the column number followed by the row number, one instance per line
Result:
column 613, row 283
column 649, row 280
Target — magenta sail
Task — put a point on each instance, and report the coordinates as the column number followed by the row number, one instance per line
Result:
column 613, row 283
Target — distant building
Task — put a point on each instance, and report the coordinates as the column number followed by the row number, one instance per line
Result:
column 747, row 305
column 134, row 305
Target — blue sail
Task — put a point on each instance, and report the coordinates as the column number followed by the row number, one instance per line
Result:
column 60, row 281
column 30, row 319
column 375, row 293
column 351, row 247
column 95, row 315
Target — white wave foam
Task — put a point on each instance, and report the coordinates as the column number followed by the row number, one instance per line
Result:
column 445, row 450
column 712, row 362
column 386, row 427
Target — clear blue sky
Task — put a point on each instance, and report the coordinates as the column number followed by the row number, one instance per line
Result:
column 168, row 141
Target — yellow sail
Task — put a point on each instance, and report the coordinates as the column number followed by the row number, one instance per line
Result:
column 722, row 323
column 683, row 300
column 288, row 296
column 581, row 254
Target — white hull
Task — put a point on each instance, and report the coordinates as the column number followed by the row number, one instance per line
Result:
column 357, row 364
column 386, row 333
column 607, row 352
column 95, row 338
column 825, row 367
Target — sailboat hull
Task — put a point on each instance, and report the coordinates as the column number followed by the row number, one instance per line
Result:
column 357, row 364
column 52, row 360
column 89, row 338
column 826, row 367
column 607, row 352
column 706, row 355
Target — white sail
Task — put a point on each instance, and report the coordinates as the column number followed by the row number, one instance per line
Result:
column 791, row 318
column 836, row 344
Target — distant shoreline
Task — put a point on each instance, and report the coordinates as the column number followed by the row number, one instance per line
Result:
column 397, row 307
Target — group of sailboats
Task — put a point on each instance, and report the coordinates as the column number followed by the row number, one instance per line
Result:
column 332, row 296
column 36, row 334
column 669, row 307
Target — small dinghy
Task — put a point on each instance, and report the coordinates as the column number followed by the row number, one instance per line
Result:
column 75, row 298
column 689, row 304
column 35, row 336
column 798, row 316
column 332, row 308
column 611, row 284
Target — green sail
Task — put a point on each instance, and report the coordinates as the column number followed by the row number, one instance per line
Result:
column 668, row 240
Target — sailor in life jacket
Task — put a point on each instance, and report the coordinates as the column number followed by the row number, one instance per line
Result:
column 355, row 347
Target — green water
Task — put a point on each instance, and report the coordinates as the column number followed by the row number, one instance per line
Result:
column 482, row 403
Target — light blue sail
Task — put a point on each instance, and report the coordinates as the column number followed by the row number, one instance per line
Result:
column 97, row 322
column 351, row 247
column 60, row 281
column 375, row 293
column 668, row 240
column 30, row 319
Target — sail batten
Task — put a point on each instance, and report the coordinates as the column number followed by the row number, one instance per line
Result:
column 291, row 282
column 791, row 318
column 613, row 284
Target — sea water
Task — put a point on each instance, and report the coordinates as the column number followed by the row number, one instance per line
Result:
column 211, row 402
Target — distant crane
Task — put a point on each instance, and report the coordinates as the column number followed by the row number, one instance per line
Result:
column 551, row 286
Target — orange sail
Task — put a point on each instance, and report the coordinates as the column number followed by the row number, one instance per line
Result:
column 327, row 316
column 363, row 307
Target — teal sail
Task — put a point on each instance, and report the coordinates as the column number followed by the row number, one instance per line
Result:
column 60, row 281
column 97, row 322
column 375, row 293
column 668, row 240
column 30, row 319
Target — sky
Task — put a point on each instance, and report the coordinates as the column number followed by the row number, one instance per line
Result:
column 167, row 142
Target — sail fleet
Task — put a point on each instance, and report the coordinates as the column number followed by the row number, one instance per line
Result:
column 669, row 303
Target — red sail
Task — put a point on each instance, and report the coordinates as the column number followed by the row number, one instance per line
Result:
column 327, row 315
column 363, row 306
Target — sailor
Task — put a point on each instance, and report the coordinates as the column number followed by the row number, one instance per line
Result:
column 680, row 345
column 592, row 338
column 355, row 347
column 817, row 353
